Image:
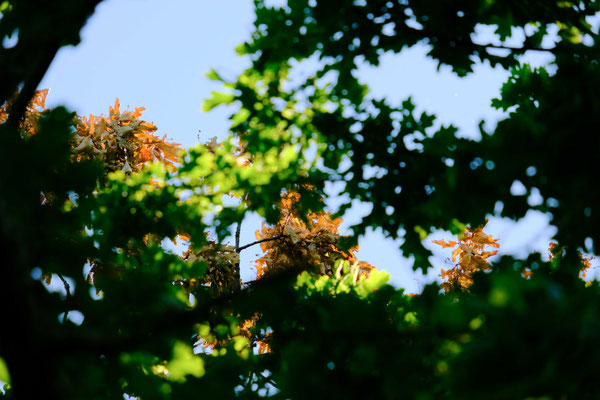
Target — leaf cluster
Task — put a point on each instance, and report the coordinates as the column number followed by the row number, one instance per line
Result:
column 89, row 290
column 416, row 174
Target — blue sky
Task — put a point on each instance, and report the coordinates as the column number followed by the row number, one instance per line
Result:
column 155, row 54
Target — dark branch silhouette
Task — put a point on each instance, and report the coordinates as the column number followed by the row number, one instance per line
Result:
column 260, row 241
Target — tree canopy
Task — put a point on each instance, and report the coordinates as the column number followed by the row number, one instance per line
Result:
column 89, row 203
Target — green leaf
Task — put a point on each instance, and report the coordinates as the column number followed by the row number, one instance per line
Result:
column 184, row 362
column 410, row 318
column 217, row 99
column 4, row 6
column 457, row 227
column 376, row 280
column 239, row 117
column 4, row 374
column 213, row 75
column 421, row 232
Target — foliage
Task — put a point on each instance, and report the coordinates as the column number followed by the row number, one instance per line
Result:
column 440, row 178
column 471, row 257
column 300, row 245
column 122, row 141
column 94, row 199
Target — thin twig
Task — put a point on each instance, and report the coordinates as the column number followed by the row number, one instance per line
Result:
column 522, row 49
column 238, row 230
column 237, row 272
column 68, row 289
column 261, row 241
column 266, row 379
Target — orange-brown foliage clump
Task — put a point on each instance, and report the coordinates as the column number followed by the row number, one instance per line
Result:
column 34, row 111
column 472, row 257
column 122, row 141
column 222, row 262
column 293, row 244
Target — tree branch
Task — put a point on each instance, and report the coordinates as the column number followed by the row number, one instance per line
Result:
column 68, row 290
column 19, row 107
column 260, row 241
column 238, row 230
column 522, row 49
